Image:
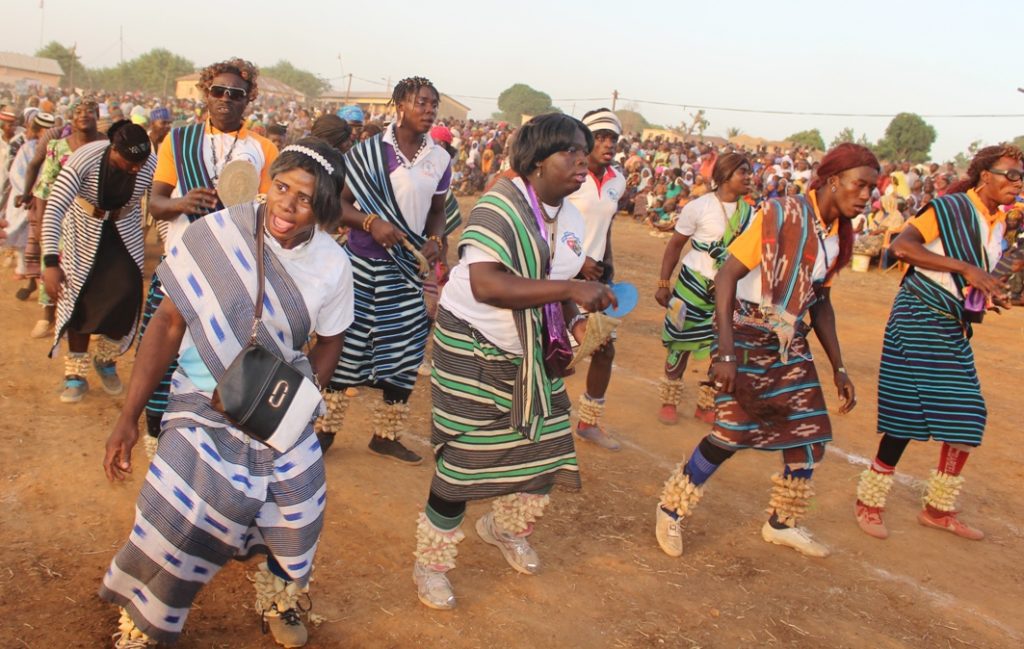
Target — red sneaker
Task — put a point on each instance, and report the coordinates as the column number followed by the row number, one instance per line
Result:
column 707, row 415
column 870, row 520
column 950, row 522
column 668, row 415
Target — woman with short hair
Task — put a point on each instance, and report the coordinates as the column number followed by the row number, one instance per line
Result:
column 501, row 425
column 213, row 493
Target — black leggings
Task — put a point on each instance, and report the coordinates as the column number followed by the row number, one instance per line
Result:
column 890, row 449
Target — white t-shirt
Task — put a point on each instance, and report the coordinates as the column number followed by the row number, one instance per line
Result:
column 704, row 220
column 993, row 238
column 749, row 287
column 598, row 205
column 321, row 270
column 416, row 186
column 497, row 324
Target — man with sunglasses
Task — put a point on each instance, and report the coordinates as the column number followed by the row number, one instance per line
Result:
column 189, row 165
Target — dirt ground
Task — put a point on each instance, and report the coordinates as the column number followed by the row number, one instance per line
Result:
column 604, row 581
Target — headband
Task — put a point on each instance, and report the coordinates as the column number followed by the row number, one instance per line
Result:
column 604, row 120
column 328, row 167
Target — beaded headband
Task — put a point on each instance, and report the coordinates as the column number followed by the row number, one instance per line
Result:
column 328, row 167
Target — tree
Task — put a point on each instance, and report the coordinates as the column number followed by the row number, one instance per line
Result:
column 74, row 71
column 153, row 73
column 520, row 99
column 1018, row 142
column 963, row 160
column 733, row 131
column 306, row 82
column 848, row 135
column 810, row 138
column 632, row 121
column 698, row 123
column 908, row 137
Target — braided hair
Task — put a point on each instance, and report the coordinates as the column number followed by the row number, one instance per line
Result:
column 411, row 86
column 244, row 69
column 983, row 161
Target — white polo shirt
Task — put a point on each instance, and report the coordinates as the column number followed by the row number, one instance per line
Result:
column 598, row 201
column 415, row 186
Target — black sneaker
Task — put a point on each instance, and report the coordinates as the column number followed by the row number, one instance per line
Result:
column 393, row 449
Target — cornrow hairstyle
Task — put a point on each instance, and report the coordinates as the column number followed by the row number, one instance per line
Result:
column 244, row 69
column 983, row 161
column 411, row 86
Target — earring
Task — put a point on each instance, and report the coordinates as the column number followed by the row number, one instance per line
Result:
column 833, row 189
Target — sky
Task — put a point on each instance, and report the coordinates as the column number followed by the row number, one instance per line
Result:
column 936, row 59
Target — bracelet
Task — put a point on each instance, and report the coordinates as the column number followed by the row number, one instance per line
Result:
column 368, row 221
column 840, row 370
column 436, row 239
column 726, row 358
column 664, row 283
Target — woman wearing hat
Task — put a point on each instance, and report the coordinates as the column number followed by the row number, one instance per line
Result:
column 97, row 278
column 779, row 272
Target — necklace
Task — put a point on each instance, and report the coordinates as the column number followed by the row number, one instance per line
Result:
column 405, row 162
column 213, row 150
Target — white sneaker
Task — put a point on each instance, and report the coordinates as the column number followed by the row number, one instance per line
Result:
column 433, row 587
column 42, row 329
column 515, row 549
column 794, row 537
column 669, row 532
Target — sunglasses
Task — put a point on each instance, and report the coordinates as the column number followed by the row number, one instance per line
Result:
column 1013, row 175
column 235, row 94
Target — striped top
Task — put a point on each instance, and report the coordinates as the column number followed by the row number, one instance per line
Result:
column 65, row 220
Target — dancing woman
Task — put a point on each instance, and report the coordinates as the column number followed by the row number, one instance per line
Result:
column 710, row 223
column 928, row 386
column 212, row 493
column 500, row 418
column 394, row 197
column 778, row 272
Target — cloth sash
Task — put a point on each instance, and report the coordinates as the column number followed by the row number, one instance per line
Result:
column 790, row 237
column 960, row 234
column 210, row 275
column 502, row 224
column 187, row 144
column 366, row 174
column 736, row 224
column 452, row 213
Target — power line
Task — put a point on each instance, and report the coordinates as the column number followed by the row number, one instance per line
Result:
column 810, row 113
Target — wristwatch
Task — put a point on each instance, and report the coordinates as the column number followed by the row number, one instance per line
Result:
column 726, row 358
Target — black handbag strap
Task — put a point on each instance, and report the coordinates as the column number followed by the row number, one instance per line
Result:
column 258, row 306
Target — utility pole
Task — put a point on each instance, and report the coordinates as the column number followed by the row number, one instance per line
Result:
column 42, row 17
column 348, row 88
column 615, row 98
column 122, row 43
column 71, row 72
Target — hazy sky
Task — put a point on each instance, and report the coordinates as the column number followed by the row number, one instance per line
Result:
column 933, row 58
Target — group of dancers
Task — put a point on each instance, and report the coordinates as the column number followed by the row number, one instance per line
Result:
column 535, row 266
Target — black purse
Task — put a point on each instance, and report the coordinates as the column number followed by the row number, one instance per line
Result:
column 261, row 394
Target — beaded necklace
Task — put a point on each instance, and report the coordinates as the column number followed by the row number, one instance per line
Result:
column 213, row 150
column 402, row 160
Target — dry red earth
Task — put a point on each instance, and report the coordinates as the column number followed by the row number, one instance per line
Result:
column 604, row 583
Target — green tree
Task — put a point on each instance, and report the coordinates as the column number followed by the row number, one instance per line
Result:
column 153, row 73
column 307, row 83
column 908, row 137
column 733, row 131
column 74, row 71
column 1018, row 142
column 520, row 99
column 962, row 160
column 809, row 138
column 632, row 121
column 848, row 135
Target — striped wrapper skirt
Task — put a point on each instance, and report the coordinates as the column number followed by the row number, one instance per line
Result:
column 697, row 331
column 157, row 403
column 212, row 495
column 928, row 386
column 387, row 341
column 774, row 405
column 478, row 454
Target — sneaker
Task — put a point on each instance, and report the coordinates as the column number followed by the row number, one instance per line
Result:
column 950, row 522
column 595, row 435
column 870, row 520
column 42, row 329
column 794, row 537
column 109, row 379
column 669, row 532
column 668, row 414
column 394, row 450
column 515, row 549
column 286, row 627
column 433, row 587
column 75, row 388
